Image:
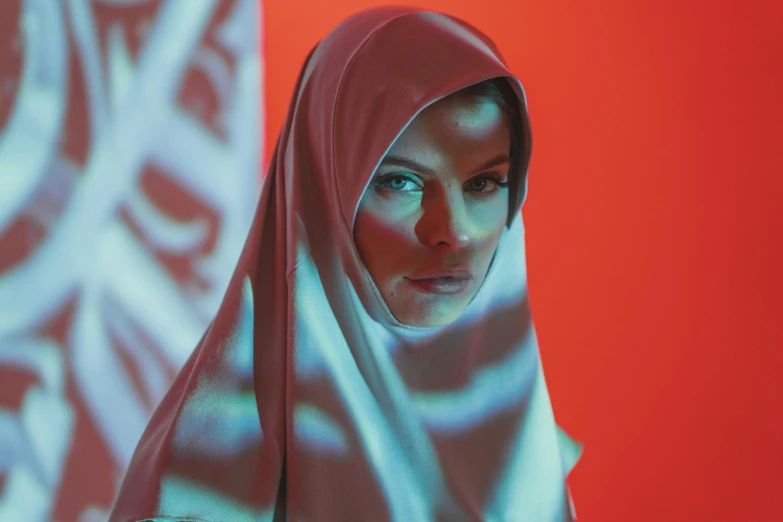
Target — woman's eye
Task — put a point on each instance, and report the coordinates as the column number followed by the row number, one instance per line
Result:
column 486, row 184
column 479, row 184
column 398, row 183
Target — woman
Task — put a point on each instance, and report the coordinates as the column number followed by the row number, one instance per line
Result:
column 374, row 357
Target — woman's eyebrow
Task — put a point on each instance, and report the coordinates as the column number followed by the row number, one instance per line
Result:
column 500, row 159
column 408, row 164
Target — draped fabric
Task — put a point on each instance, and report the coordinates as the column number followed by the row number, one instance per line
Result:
column 129, row 150
column 306, row 400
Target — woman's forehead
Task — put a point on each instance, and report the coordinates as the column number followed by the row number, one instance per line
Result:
column 451, row 126
column 461, row 117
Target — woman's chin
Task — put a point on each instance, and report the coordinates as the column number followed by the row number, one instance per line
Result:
column 429, row 314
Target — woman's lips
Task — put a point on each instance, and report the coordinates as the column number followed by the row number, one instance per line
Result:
column 441, row 285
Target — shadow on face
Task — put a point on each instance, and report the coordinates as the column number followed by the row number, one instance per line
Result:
column 429, row 222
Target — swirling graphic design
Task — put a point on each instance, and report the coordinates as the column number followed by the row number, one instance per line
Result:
column 129, row 155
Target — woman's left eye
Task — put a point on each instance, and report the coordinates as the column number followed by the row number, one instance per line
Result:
column 486, row 184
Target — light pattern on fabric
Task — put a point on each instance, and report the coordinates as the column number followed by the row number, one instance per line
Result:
column 129, row 148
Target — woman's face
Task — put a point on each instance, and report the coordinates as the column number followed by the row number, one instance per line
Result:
column 431, row 218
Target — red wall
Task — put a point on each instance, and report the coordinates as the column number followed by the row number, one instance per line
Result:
column 654, row 228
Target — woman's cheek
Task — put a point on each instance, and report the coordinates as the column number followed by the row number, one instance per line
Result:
column 384, row 241
column 389, row 235
column 490, row 215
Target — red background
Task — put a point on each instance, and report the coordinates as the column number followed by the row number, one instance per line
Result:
column 654, row 229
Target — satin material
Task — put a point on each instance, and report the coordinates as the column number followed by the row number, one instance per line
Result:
column 306, row 400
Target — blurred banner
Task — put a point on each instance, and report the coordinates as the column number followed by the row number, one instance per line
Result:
column 129, row 170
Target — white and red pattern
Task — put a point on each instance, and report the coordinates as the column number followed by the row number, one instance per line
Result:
column 129, row 170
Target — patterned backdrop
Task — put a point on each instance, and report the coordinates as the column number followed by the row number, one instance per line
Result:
column 129, row 170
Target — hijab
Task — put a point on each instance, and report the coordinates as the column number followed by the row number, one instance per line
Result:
column 306, row 400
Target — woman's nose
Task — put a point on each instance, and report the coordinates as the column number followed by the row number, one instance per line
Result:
column 445, row 223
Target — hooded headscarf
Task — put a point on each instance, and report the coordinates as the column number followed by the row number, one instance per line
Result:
column 306, row 400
